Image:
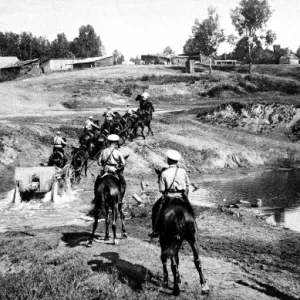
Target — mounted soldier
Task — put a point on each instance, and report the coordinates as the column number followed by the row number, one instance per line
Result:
column 59, row 143
column 112, row 161
column 109, row 116
column 90, row 126
column 173, row 182
column 129, row 111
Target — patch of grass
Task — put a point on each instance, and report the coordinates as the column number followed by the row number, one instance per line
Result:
column 168, row 79
column 271, row 83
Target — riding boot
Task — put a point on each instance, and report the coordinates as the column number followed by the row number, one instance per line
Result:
column 154, row 233
column 123, row 183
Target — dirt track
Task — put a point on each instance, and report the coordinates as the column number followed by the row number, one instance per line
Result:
column 243, row 257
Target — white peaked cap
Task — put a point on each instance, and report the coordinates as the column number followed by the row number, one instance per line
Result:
column 113, row 138
column 174, row 155
column 90, row 117
column 58, row 132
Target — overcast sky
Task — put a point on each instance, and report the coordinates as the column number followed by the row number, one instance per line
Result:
column 137, row 27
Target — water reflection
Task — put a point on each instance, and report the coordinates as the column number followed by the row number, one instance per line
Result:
column 279, row 191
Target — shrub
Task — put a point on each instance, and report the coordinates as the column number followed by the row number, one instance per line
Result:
column 70, row 104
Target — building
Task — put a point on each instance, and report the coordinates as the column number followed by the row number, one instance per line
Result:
column 94, row 62
column 225, row 62
column 12, row 68
column 53, row 64
column 6, row 61
column 289, row 59
column 29, row 67
column 150, row 59
column 179, row 60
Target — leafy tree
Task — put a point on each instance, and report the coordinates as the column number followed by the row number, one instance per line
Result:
column 206, row 35
column 250, row 19
column 60, row 47
column 168, row 51
column 136, row 60
column 118, row 56
column 88, row 44
column 298, row 52
column 278, row 52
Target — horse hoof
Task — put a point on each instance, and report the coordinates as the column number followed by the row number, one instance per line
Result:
column 116, row 242
column 176, row 291
column 166, row 284
column 106, row 238
column 89, row 244
column 124, row 235
column 205, row 289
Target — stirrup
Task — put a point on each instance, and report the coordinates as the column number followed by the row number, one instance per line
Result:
column 153, row 235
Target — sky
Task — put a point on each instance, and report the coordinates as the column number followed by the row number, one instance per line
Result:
column 137, row 27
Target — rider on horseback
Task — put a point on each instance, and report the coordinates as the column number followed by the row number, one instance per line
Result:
column 112, row 161
column 173, row 182
column 129, row 111
column 59, row 143
column 90, row 126
column 109, row 115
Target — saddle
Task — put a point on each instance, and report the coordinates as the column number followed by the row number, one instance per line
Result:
column 115, row 175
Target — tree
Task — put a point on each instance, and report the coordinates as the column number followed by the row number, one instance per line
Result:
column 88, row 44
column 250, row 19
column 206, row 35
column 136, row 60
column 298, row 52
column 118, row 56
column 168, row 51
column 60, row 47
column 278, row 52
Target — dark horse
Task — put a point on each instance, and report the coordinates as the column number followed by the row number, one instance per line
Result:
column 108, row 193
column 79, row 161
column 145, row 105
column 176, row 224
column 57, row 159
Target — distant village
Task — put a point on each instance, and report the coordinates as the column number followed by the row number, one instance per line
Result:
column 11, row 67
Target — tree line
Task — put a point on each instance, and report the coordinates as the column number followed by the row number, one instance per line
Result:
column 253, row 38
column 26, row 46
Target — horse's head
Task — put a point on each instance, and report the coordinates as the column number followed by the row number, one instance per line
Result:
column 138, row 97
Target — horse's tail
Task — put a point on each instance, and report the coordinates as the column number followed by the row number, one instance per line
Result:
column 176, row 231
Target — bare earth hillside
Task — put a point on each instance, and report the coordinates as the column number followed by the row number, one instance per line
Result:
column 42, row 245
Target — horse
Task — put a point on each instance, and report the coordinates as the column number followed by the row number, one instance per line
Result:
column 108, row 193
column 79, row 161
column 57, row 159
column 176, row 224
column 145, row 105
column 145, row 119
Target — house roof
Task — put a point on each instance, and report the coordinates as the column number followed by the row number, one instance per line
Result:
column 90, row 59
column 290, row 56
column 8, row 61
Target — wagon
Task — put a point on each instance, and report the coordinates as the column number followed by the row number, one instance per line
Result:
column 36, row 182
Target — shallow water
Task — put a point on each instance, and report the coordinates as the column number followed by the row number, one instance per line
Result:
column 279, row 192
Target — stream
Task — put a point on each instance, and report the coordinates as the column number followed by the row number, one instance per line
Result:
column 279, row 192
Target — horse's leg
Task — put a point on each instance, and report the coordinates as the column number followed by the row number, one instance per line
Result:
column 192, row 241
column 124, row 234
column 114, row 223
column 174, row 268
column 142, row 131
column 165, row 270
column 96, row 215
column 107, row 221
column 177, row 261
column 85, row 167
